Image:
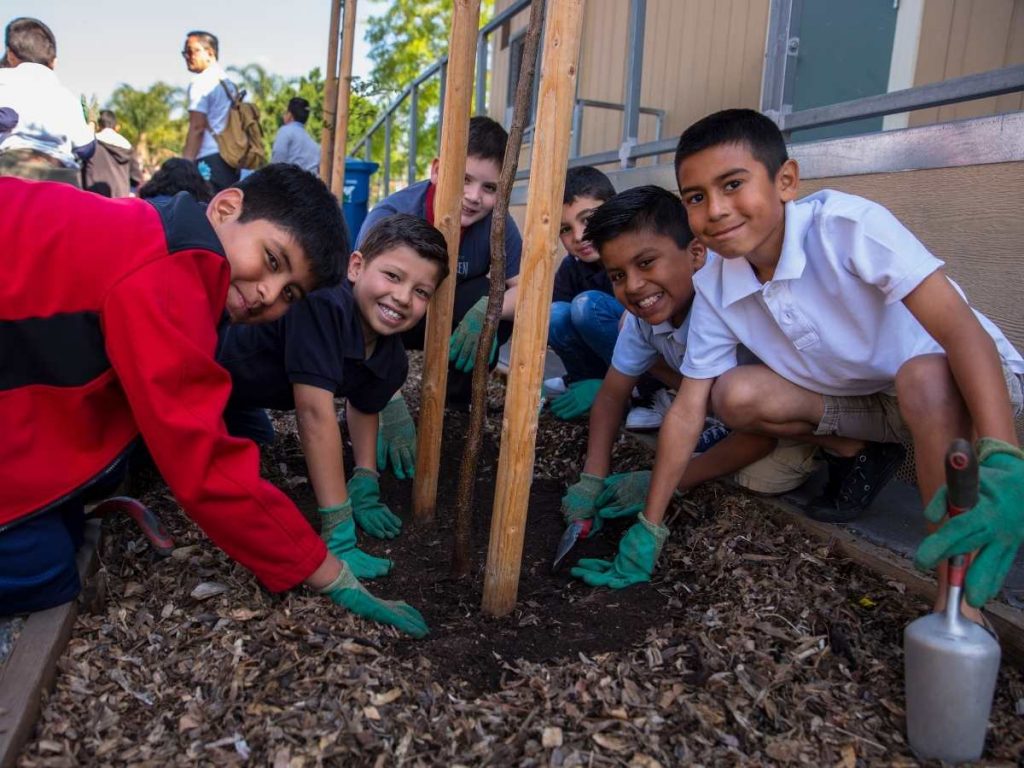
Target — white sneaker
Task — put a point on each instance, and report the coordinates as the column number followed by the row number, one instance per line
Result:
column 554, row 387
column 647, row 416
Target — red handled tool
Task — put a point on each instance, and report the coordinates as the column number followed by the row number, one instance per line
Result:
column 576, row 530
column 143, row 516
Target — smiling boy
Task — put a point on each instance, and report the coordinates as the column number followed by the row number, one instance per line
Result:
column 109, row 317
column 863, row 339
column 484, row 157
column 346, row 342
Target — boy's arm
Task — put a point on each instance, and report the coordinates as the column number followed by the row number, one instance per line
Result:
column 508, row 303
column 362, row 431
column 320, row 436
column 676, row 440
column 666, row 374
column 971, row 352
column 605, row 418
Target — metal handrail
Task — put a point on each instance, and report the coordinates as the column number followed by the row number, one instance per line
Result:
column 577, row 120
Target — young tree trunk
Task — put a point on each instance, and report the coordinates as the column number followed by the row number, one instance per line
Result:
column 461, row 560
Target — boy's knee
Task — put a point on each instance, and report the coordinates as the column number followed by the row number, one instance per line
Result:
column 925, row 388
column 560, row 325
column 590, row 307
column 735, row 398
column 37, row 565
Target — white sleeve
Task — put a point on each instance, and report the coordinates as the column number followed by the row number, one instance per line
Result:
column 198, row 98
column 877, row 248
column 633, row 355
column 80, row 133
column 710, row 345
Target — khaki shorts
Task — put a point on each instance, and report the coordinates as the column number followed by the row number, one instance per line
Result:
column 780, row 471
column 877, row 417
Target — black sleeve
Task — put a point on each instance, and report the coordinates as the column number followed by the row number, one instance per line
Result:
column 312, row 343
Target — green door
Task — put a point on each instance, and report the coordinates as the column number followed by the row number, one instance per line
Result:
column 844, row 53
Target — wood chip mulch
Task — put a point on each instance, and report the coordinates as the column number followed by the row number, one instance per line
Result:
column 767, row 649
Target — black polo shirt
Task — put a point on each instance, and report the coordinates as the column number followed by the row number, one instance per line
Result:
column 574, row 277
column 318, row 342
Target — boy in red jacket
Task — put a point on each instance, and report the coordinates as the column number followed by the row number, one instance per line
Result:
column 108, row 326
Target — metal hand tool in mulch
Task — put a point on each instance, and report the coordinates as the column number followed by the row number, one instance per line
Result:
column 951, row 662
column 144, row 517
column 576, row 530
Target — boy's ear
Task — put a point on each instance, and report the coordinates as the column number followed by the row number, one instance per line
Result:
column 225, row 206
column 787, row 180
column 698, row 253
column 435, row 164
column 356, row 262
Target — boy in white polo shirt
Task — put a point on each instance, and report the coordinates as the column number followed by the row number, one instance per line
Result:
column 862, row 335
column 651, row 257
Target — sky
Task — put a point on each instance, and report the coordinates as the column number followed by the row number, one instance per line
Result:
column 102, row 43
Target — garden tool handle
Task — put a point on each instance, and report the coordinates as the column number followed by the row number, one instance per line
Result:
column 962, row 494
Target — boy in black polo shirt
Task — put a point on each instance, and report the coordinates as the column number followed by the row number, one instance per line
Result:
column 342, row 342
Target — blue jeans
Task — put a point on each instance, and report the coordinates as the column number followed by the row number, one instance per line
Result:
column 253, row 423
column 583, row 333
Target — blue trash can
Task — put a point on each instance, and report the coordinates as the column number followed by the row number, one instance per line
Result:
column 356, row 193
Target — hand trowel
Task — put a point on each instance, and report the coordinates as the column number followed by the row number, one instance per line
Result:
column 951, row 662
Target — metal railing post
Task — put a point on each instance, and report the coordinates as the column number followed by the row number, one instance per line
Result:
column 387, row 155
column 634, row 74
column 414, row 131
column 577, row 126
column 443, row 71
column 780, row 60
column 481, row 74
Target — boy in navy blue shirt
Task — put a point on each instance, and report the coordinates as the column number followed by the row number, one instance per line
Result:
column 485, row 155
column 342, row 342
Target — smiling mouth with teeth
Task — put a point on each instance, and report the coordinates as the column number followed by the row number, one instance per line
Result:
column 389, row 312
column 649, row 301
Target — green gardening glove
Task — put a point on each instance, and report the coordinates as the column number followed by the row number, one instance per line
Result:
column 371, row 515
column 577, row 400
column 396, row 439
column 578, row 502
column 994, row 526
column 624, row 495
column 338, row 531
column 346, row 591
column 638, row 551
column 462, row 349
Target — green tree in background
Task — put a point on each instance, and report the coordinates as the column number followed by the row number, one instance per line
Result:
column 153, row 120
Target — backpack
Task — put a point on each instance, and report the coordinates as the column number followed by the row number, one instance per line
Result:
column 240, row 144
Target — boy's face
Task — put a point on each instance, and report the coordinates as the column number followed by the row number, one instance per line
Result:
column 269, row 270
column 479, row 191
column 734, row 207
column 393, row 289
column 574, row 221
column 652, row 276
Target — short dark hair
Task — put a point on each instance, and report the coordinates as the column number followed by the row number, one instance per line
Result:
column 177, row 175
column 587, row 181
column 298, row 202
column 640, row 209
column 31, row 41
column 412, row 231
column 107, row 119
column 736, row 126
column 299, row 109
column 206, row 38
column 487, row 139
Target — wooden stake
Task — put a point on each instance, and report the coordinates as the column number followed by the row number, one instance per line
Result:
column 447, row 209
column 461, row 560
column 344, row 88
column 330, row 92
column 530, row 337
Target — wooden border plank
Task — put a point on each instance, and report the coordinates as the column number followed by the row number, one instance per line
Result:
column 31, row 667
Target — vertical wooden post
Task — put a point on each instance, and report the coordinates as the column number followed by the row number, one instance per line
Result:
column 447, row 215
column 330, row 93
column 344, row 87
column 537, row 274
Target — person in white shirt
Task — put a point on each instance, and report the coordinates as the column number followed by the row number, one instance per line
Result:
column 209, row 99
column 292, row 144
column 864, row 341
column 48, row 135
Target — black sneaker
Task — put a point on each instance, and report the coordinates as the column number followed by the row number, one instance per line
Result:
column 854, row 482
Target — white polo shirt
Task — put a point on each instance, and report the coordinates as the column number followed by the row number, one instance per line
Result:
column 206, row 95
column 640, row 344
column 831, row 319
column 50, row 117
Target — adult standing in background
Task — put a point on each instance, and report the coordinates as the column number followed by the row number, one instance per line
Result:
column 208, row 105
column 44, row 134
column 113, row 170
column 292, row 144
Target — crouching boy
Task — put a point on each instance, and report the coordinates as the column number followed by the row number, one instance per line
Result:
column 346, row 342
column 110, row 312
column 861, row 334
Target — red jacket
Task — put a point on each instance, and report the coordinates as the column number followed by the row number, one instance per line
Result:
column 108, row 325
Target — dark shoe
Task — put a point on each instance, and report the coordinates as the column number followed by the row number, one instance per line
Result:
column 854, row 482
